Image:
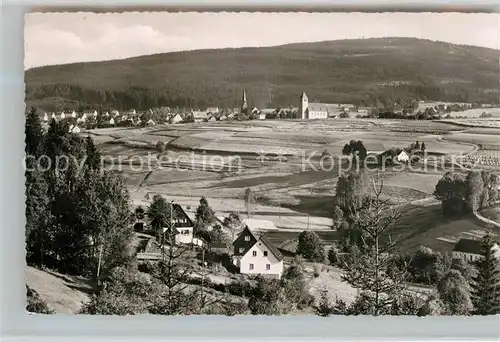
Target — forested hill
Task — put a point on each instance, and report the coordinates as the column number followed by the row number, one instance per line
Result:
column 362, row 71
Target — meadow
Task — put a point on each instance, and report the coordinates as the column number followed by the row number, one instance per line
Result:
column 290, row 189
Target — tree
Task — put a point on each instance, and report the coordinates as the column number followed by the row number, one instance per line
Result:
column 35, row 303
column 422, row 147
column 425, row 266
column 367, row 270
column 333, row 257
column 454, row 291
column 417, row 145
column 140, row 213
column 159, row 214
column 475, row 189
column 37, row 215
column 249, row 201
column 205, row 216
column 451, row 190
column 295, row 288
column 310, row 246
column 160, row 146
column 268, row 298
column 486, row 284
column 433, row 306
column 233, row 222
column 103, row 212
column 93, row 159
column 33, row 134
column 338, row 217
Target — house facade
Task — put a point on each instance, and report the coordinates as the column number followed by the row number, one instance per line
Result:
column 470, row 250
column 255, row 254
column 403, row 157
column 183, row 227
column 310, row 110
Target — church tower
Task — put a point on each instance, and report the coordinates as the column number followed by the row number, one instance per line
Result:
column 244, row 104
column 304, row 104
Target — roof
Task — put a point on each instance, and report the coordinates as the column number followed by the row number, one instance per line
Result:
column 199, row 115
column 317, row 107
column 257, row 225
column 289, row 246
column 268, row 110
column 271, row 247
column 468, row 246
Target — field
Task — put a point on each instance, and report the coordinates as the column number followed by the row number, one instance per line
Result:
column 280, row 161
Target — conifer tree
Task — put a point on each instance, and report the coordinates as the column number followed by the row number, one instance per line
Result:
column 33, row 134
column 93, row 159
column 486, row 284
column 368, row 271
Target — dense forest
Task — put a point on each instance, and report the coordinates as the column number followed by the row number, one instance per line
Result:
column 363, row 71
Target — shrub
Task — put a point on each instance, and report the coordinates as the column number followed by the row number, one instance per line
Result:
column 317, row 270
column 35, row 304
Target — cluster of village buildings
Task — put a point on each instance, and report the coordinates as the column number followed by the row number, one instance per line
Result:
column 167, row 115
column 254, row 254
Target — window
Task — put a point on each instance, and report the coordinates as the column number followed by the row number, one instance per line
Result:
column 265, row 253
column 251, row 266
column 254, row 253
column 268, row 266
column 242, row 250
column 247, row 238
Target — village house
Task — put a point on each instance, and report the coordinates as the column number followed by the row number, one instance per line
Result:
column 403, row 157
column 213, row 110
column 182, row 227
column 112, row 121
column 255, row 254
column 199, row 116
column 74, row 129
column 176, row 119
column 470, row 250
column 150, row 122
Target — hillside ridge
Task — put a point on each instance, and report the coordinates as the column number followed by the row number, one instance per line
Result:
column 347, row 71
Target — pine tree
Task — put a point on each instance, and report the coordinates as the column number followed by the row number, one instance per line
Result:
column 159, row 214
column 368, row 271
column 249, row 201
column 93, row 158
column 486, row 285
column 33, row 134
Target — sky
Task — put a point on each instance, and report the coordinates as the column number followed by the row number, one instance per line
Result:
column 60, row 38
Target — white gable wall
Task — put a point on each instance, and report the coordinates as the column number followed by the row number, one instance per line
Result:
column 260, row 261
column 469, row 257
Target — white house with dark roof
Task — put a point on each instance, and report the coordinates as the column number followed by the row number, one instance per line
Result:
column 255, row 254
column 199, row 116
column 213, row 110
column 470, row 250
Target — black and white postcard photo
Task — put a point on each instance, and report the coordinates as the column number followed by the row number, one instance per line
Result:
column 251, row 163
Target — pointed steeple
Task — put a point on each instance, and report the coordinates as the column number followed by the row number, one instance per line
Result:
column 244, row 104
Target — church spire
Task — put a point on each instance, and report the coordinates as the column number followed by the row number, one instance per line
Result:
column 244, row 104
